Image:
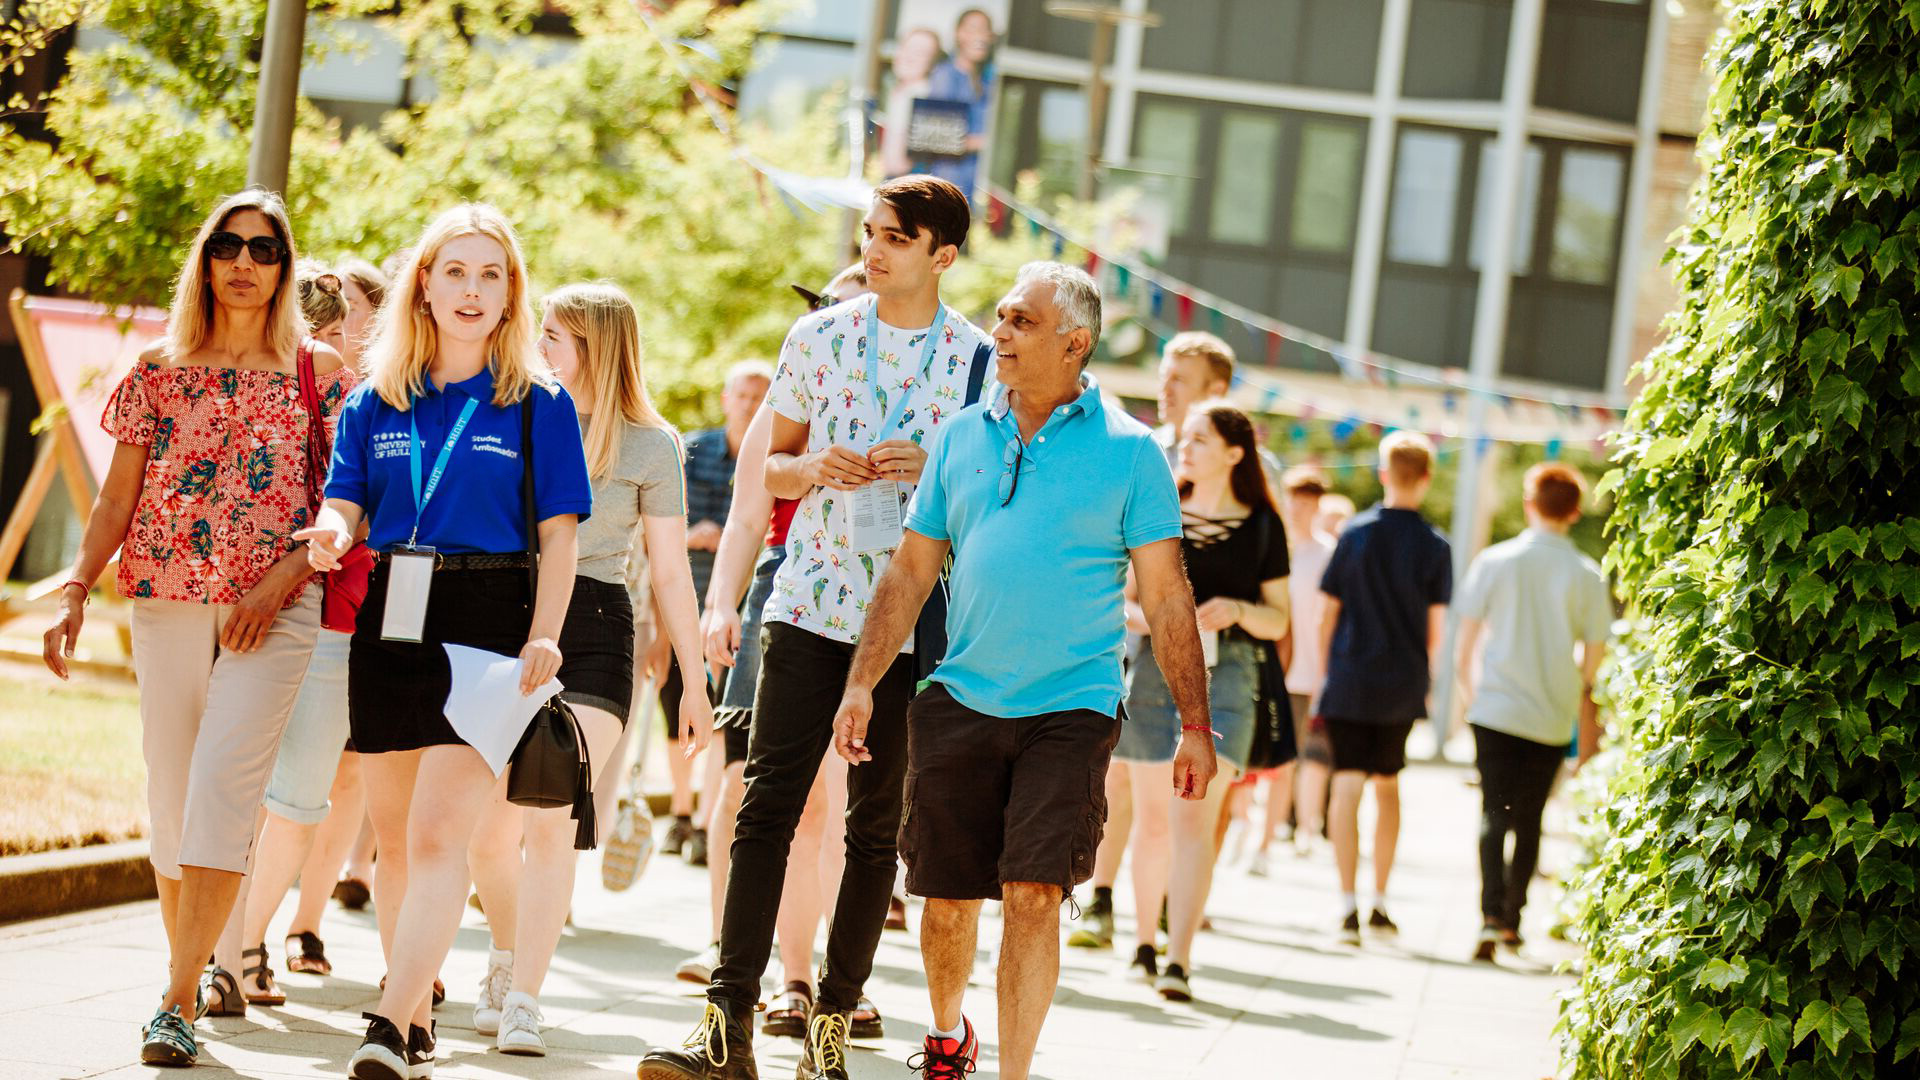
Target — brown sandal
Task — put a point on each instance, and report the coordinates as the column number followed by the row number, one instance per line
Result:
column 307, row 954
column 220, row 994
column 272, row 995
column 790, row 1017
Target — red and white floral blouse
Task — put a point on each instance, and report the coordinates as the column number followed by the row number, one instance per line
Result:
column 226, row 480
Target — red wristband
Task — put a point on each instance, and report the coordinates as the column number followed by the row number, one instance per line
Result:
column 86, row 590
column 1204, row 729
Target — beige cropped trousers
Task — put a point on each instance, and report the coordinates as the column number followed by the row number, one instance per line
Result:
column 210, row 724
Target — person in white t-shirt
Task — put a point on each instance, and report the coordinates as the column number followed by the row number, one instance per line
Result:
column 1538, row 613
column 1301, row 785
column 862, row 388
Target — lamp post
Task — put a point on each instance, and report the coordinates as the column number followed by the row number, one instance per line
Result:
column 273, row 104
column 1104, row 17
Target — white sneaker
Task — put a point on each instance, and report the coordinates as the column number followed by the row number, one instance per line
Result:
column 492, row 995
column 699, row 969
column 520, row 1026
column 1257, row 865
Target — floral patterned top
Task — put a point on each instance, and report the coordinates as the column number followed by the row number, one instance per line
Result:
column 226, row 479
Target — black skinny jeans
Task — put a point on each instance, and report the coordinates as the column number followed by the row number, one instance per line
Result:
column 1516, row 776
column 801, row 678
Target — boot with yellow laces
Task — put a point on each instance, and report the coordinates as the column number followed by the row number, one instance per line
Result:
column 721, row 1048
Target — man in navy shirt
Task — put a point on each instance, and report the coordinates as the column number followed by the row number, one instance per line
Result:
column 1387, row 587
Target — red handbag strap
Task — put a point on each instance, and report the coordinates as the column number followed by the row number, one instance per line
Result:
column 317, row 450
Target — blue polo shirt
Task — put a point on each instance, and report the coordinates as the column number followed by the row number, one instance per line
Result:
column 1036, row 623
column 477, row 506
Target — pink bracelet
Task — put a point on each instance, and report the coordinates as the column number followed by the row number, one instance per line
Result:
column 86, row 590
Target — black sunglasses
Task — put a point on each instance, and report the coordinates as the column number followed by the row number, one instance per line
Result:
column 1012, row 456
column 225, row 246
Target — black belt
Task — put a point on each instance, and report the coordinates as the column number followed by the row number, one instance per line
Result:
column 519, row 560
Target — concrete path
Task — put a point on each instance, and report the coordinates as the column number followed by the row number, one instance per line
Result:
column 1278, row 996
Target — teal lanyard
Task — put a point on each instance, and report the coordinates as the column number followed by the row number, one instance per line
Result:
column 422, row 496
column 872, row 357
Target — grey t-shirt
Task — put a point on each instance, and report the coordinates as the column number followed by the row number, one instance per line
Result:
column 647, row 478
column 1539, row 596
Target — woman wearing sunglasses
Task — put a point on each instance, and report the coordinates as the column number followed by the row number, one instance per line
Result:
column 206, row 488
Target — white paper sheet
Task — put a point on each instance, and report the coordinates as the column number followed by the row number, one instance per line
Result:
column 485, row 706
column 1210, row 647
column 873, row 514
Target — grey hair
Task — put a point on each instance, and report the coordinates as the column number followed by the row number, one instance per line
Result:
column 1074, row 293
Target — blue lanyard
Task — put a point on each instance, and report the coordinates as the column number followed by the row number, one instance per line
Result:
column 423, row 496
column 872, row 357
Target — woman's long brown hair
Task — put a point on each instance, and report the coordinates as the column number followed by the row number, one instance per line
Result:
column 1248, row 480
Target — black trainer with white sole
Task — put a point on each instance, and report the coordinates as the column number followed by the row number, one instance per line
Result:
column 382, row 1054
column 420, row 1041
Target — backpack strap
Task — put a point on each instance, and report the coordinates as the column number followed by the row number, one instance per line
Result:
column 977, row 374
column 526, row 494
column 317, row 449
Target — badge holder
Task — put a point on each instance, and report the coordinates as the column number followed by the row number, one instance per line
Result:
column 409, row 583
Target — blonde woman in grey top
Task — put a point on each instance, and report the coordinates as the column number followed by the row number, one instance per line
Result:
column 591, row 336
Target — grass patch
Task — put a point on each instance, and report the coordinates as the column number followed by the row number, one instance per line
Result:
column 71, row 771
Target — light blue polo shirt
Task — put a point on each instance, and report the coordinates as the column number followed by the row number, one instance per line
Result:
column 1036, row 623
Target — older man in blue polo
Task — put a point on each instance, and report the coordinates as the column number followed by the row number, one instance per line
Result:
column 1045, row 497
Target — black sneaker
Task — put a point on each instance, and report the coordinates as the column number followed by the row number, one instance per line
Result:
column 677, row 836
column 721, row 1048
column 1380, row 924
column 1350, row 929
column 1172, row 984
column 420, row 1042
column 696, row 849
column 1146, row 963
column 1096, row 925
column 382, row 1054
column 824, row 1056
column 1489, row 943
column 168, row 1039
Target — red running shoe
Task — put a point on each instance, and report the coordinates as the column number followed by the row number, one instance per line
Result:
column 948, row 1059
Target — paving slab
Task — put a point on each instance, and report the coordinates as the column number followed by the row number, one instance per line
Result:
column 1277, row 994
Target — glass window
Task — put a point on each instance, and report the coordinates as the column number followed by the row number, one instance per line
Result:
column 1166, row 142
column 1006, row 132
column 1323, row 43
column 1326, row 192
column 1426, row 188
column 1591, row 54
column 1525, row 217
column 1063, row 137
column 1457, row 49
column 845, row 20
column 1028, row 26
column 789, row 77
column 1246, row 169
column 1586, row 219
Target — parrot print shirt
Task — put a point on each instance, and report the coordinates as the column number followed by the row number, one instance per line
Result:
column 824, row 586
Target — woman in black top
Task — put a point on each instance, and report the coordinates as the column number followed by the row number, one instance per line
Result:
column 1236, row 553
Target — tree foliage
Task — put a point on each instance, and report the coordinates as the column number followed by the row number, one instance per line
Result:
column 593, row 148
column 1754, row 912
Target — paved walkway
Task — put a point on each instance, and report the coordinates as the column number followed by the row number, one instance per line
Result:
column 1279, row 997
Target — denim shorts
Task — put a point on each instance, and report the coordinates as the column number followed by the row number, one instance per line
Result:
column 315, row 734
column 736, row 704
column 1151, row 731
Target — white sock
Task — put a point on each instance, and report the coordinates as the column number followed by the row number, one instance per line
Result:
column 500, row 957
column 959, row 1031
column 1380, row 901
column 1352, row 900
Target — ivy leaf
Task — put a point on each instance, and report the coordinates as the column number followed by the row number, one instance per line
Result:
column 1877, row 326
column 1842, row 281
column 1720, row 974
column 1809, row 591
column 1825, row 346
column 1909, row 1028
column 1697, row 1022
column 1745, row 1033
column 1836, row 399
column 1833, row 1022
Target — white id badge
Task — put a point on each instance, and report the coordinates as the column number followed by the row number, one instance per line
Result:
column 874, row 516
column 1210, row 647
column 408, row 583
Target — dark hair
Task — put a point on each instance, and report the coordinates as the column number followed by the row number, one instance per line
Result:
column 1248, row 480
column 1555, row 491
column 971, row 12
column 928, row 204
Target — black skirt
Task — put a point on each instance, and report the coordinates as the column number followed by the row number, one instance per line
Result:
column 397, row 690
column 596, row 647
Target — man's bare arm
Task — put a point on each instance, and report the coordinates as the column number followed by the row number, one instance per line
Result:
column 1167, row 600
column 897, row 601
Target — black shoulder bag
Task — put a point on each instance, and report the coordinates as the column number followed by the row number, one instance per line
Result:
column 1273, row 741
column 930, row 629
column 551, row 766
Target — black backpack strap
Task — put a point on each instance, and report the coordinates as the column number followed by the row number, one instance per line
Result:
column 526, row 494
column 977, row 374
